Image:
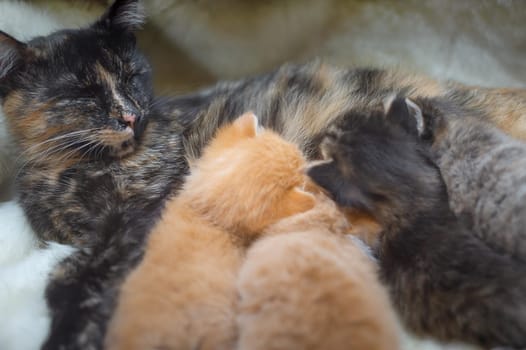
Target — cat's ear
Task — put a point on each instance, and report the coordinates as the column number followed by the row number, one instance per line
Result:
column 416, row 112
column 406, row 113
column 345, row 193
column 125, row 15
column 297, row 201
column 247, row 125
column 11, row 54
column 324, row 174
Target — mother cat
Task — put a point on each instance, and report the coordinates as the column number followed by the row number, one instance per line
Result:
column 99, row 155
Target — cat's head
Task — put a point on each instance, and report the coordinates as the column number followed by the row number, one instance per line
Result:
column 249, row 178
column 375, row 164
column 79, row 92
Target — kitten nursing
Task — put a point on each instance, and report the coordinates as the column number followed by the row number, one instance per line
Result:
column 452, row 278
column 183, row 295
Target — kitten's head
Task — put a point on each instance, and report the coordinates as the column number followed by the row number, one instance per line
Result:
column 80, row 92
column 248, row 178
column 376, row 165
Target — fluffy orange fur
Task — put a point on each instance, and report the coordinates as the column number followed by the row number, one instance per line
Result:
column 182, row 295
column 313, row 288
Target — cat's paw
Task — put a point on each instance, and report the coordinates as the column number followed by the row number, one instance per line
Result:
column 64, row 282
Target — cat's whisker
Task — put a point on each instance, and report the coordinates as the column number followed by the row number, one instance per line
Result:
column 40, row 156
column 92, row 146
column 51, row 150
column 156, row 103
column 57, row 138
column 99, row 151
column 47, row 153
column 86, row 142
column 68, row 155
column 66, row 143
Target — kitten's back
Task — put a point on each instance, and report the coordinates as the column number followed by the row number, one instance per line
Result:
column 309, row 286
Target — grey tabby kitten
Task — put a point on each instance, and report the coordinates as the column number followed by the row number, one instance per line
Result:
column 484, row 170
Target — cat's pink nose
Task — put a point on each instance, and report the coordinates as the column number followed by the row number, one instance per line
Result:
column 129, row 119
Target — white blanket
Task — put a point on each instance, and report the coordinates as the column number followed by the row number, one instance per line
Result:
column 24, row 267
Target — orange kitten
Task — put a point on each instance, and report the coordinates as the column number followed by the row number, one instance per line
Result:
column 182, row 295
column 307, row 286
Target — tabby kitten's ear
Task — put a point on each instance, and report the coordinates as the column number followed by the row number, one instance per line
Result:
column 11, row 54
column 125, row 15
column 405, row 113
column 246, row 125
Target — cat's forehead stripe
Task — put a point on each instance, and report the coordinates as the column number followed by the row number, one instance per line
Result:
column 109, row 79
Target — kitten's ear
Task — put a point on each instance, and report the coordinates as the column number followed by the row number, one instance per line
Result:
column 406, row 113
column 297, row 201
column 247, row 125
column 11, row 54
column 324, row 174
column 345, row 193
column 126, row 15
column 416, row 112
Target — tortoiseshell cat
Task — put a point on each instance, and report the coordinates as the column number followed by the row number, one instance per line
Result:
column 99, row 156
column 444, row 280
column 94, row 172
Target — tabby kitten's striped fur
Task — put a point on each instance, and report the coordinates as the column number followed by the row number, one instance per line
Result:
column 485, row 173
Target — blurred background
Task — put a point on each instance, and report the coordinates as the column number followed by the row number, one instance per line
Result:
column 193, row 43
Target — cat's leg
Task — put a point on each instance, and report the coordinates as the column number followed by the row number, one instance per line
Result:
column 312, row 290
column 81, row 296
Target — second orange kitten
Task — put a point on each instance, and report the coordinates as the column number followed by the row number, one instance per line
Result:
column 307, row 286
